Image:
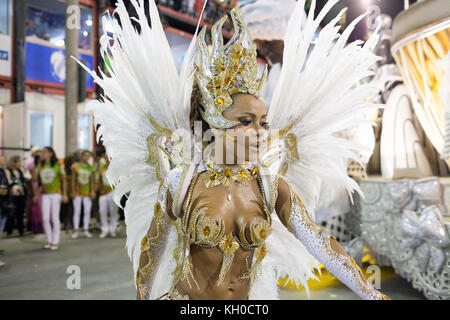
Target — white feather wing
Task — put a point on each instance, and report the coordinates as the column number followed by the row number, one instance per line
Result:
column 319, row 94
column 142, row 83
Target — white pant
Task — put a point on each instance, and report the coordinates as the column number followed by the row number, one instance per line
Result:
column 106, row 203
column 50, row 205
column 87, row 204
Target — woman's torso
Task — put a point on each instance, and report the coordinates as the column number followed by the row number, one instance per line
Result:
column 105, row 187
column 239, row 206
column 83, row 174
column 16, row 182
column 49, row 176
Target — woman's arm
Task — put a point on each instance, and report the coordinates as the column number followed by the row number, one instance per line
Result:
column 321, row 244
column 92, row 182
column 62, row 179
column 74, row 177
column 9, row 178
column 35, row 184
column 97, row 180
column 153, row 244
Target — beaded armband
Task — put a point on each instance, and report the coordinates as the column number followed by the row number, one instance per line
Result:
column 318, row 242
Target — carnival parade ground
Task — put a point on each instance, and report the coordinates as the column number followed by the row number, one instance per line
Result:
column 105, row 272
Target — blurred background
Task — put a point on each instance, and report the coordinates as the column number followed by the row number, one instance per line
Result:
column 32, row 66
column 43, row 98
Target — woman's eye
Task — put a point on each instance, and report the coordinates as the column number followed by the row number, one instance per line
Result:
column 246, row 122
column 264, row 124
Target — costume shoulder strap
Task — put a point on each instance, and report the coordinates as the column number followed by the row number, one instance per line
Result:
column 269, row 184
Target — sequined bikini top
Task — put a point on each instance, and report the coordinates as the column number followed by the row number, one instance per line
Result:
column 207, row 231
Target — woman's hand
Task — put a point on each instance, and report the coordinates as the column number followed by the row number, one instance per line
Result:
column 35, row 199
column 65, row 199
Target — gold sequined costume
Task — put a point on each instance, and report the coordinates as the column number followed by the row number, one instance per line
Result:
column 197, row 229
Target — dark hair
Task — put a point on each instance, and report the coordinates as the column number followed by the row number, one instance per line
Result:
column 53, row 158
column 76, row 156
column 68, row 162
column 195, row 114
column 36, row 159
column 100, row 150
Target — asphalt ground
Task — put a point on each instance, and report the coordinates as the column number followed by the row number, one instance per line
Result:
column 105, row 272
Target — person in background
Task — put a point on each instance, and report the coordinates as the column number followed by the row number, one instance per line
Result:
column 67, row 208
column 97, row 156
column 51, row 176
column 106, row 202
column 17, row 190
column 3, row 199
column 77, row 156
column 34, row 215
column 83, row 192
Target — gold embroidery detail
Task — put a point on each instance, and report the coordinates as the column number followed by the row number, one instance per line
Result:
column 226, row 70
column 260, row 231
column 260, row 253
column 177, row 253
column 292, row 143
column 234, row 71
column 210, row 179
column 203, row 230
column 152, row 145
column 271, row 187
column 244, row 176
column 150, row 248
column 186, row 271
column 215, row 230
column 228, row 245
column 226, row 177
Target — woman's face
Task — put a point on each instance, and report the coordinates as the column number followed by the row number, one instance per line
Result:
column 18, row 164
column 251, row 112
column 85, row 157
column 46, row 154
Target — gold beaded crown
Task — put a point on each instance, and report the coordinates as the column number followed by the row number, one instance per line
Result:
column 226, row 69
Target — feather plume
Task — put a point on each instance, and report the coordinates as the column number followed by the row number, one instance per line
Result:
column 142, row 83
column 319, row 94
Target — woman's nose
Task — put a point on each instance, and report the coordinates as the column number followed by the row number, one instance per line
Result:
column 257, row 126
column 260, row 131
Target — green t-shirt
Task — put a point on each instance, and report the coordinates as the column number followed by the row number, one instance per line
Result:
column 50, row 177
column 100, row 177
column 83, row 179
